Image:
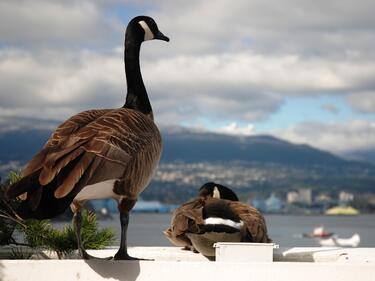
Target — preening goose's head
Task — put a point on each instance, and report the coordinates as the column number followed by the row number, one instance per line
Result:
column 143, row 28
column 219, row 191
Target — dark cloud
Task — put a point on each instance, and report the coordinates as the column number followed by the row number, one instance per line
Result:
column 363, row 102
column 55, row 24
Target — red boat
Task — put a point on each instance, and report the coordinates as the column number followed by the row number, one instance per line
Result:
column 318, row 232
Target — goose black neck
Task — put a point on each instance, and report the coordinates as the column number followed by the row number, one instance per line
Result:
column 136, row 97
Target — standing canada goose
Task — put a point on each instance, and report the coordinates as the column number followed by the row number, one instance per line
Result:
column 215, row 216
column 100, row 153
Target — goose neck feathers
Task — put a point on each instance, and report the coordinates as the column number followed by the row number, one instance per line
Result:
column 139, row 29
column 137, row 97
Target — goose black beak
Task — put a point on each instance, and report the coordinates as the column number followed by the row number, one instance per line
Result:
column 161, row 36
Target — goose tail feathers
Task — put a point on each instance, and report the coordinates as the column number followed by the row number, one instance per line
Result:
column 26, row 184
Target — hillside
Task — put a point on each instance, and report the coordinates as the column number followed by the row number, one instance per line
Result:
column 189, row 146
column 192, row 146
column 190, row 158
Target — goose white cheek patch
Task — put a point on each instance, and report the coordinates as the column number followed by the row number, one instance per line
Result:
column 216, row 193
column 148, row 33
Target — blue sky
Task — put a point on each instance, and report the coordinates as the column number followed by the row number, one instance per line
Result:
column 302, row 109
column 300, row 70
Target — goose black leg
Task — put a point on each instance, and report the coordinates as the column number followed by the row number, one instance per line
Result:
column 77, row 223
column 122, row 253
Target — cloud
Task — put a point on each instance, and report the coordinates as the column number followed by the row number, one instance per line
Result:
column 330, row 108
column 56, row 24
column 338, row 137
column 246, row 86
column 12, row 123
column 304, row 27
column 243, row 86
column 56, row 84
column 274, row 73
column 234, row 129
column 363, row 102
column 227, row 62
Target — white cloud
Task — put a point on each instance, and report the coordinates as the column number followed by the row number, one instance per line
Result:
column 272, row 73
column 338, row 137
column 55, row 84
column 235, row 129
column 311, row 28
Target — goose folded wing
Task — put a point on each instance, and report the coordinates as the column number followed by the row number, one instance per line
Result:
column 186, row 217
column 255, row 225
column 94, row 153
column 63, row 131
column 99, row 158
column 184, row 220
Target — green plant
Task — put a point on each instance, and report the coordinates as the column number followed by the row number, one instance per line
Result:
column 19, row 253
column 8, row 218
column 14, row 177
column 40, row 234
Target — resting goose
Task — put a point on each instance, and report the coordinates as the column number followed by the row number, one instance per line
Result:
column 215, row 216
column 100, row 153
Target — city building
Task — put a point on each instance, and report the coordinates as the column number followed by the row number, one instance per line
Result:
column 303, row 195
column 345, row 197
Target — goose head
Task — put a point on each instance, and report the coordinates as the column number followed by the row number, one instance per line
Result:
column 211, row 189
column 144, row 28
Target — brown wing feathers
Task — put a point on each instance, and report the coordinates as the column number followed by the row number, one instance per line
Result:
column 74, row 176
column 185, row 219
column 255, row 224
column 54, row 162
column 69, row 141
column 63, row 132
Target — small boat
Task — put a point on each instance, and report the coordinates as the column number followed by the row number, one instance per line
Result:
column 341, row 242
column 318, row 232
column 342, row 211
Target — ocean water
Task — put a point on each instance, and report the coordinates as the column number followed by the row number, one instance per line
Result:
column 146, row 229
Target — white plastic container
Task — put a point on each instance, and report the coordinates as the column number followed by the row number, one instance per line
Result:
column 244, row 252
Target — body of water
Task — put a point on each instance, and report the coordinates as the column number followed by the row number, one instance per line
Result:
column 146, row 229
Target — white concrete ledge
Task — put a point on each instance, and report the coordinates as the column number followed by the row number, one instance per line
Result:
column 295, row 254
column 71, row 270
column 171, row 263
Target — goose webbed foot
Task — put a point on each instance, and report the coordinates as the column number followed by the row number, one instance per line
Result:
column 125, row 256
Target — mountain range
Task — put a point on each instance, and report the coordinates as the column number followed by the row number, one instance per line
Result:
column 181, row 144
column 194, row 146
column 261, row 162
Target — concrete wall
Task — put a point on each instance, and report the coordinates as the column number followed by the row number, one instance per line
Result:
column 173, row 264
